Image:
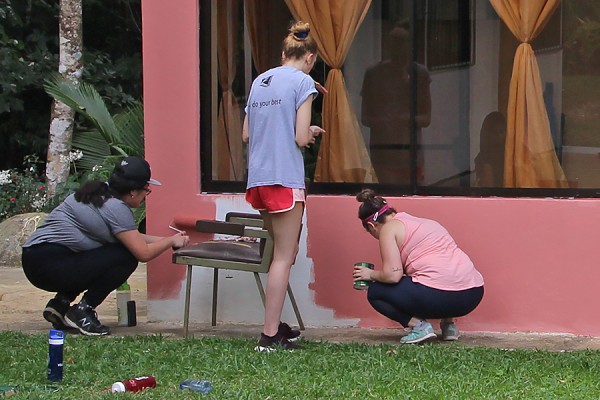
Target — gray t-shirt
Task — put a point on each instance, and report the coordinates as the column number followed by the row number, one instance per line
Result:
column 274, row 157
column 82, row 227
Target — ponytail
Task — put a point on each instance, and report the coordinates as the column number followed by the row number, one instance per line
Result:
column 94, row 192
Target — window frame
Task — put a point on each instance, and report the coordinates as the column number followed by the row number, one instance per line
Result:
column 209, row 185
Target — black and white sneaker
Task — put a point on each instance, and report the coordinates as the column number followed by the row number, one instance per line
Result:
column 274, row 343
column 287, row 332
column 83, row 317
column 55, row 314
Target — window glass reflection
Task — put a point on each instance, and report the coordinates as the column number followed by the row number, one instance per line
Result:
column 428, row 86
column 395, row 94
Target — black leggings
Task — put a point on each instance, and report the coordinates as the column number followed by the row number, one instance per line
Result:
column 97, row 272
column 406, row 299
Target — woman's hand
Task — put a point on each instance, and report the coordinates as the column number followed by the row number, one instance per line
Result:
column 314, row 132
column 180, row 239
column 362, row 274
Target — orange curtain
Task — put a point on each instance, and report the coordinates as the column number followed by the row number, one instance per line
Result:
column 530, row 160
column 256, row 12
column 343, row 156
column 228, row 156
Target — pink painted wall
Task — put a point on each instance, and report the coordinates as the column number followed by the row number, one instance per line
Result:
column 539, row 257
column 171, row 120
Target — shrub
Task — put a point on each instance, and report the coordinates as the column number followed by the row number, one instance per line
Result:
column 22, row 191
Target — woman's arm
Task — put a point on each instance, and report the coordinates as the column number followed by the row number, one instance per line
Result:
column 305, row 133
column 152, row 239
column 245, row 133
column 390, row 235
column 144, row 251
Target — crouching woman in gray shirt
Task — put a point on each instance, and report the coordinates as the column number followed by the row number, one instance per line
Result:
column 90, row 244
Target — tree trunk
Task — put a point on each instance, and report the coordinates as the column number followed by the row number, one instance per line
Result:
column 62, row 117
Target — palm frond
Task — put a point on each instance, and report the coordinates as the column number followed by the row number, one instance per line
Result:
column 94, row 148
column 130, row 124
column 85, row 100
column 112, row 136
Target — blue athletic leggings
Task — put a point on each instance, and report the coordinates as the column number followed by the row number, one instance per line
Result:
column 406, row 299
column 97, row 272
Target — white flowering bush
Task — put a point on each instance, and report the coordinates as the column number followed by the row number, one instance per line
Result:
column 22, row 191
column 72, row 157
column 5, row 177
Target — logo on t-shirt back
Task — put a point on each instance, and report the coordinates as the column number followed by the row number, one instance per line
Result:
column 266, row 81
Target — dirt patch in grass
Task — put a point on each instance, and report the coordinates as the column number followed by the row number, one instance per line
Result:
column 21, row 306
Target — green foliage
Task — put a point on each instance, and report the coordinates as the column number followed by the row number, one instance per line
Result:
column 321, row 371
column 22, row 191
column 25, row 56
column 29, row 54
column 28, row 51
column 112, row 76
column 110, row 138
column 120, row 135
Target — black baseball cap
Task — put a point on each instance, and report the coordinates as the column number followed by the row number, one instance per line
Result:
column 136, row 169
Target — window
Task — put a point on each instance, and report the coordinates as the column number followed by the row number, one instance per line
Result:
column 444, row 30
column 427, row 109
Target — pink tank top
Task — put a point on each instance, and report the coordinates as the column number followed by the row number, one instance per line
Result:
column 431, row 257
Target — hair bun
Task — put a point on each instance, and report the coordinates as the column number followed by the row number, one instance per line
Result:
column 301, row 35
column 300, row 30
column 366, row 195
column 298, row 42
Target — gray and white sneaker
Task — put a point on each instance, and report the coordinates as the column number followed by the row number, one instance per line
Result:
column 449, row 331
column 420, row 333
column 83, row 317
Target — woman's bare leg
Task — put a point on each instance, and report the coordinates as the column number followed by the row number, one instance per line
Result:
column 285, row 230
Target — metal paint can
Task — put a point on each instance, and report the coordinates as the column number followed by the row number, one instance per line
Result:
column 362, row 285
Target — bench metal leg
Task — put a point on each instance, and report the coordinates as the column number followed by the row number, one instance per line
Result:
column 295, row 307
column 188, row 289
column 260, row 287
column 186, row 310
column 290, row 293
column 214, row 299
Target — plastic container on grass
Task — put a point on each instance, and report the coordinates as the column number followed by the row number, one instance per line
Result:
column 56, row 341
column 123, row 297
column 195, row 385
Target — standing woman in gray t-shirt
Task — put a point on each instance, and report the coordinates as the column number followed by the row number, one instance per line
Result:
column 276, row 127
column 90, row 244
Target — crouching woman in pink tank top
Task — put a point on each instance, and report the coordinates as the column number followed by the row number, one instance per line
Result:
column 424, row 275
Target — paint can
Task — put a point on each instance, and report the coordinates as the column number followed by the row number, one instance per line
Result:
column 362, row 285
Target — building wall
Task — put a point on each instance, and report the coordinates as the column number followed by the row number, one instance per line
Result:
column 538, row 256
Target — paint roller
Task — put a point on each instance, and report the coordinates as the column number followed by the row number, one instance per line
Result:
column 183, row 223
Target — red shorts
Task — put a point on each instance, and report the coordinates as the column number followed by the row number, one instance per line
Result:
column 274, row 199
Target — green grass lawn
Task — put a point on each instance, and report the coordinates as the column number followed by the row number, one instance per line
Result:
column 321, row 371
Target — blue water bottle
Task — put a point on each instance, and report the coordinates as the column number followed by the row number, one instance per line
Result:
column 56, row 341
column 202, row 386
